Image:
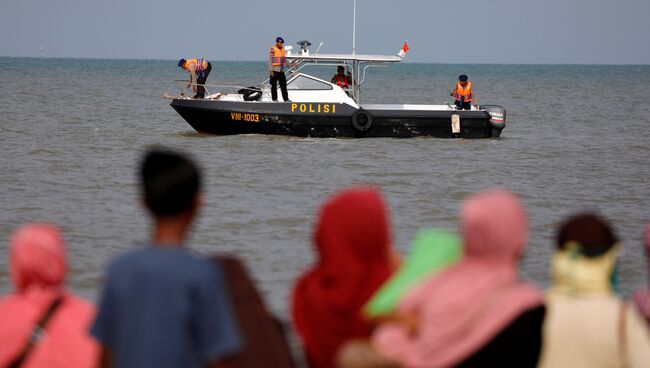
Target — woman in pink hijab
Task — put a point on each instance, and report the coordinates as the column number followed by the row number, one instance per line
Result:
column 642, row 296
column 476, row 313
column 41, row 323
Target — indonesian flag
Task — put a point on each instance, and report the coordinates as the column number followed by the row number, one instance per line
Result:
column 402, row 52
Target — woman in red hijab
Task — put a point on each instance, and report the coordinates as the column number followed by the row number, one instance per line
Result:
column 354, row 258
column 41, row 323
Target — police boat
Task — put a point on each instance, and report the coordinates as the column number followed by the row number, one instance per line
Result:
column 318, row 108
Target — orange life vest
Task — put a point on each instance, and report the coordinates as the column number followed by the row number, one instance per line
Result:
column 201, row 64
column 465, row 92
column 278, row 56
column 342, row 81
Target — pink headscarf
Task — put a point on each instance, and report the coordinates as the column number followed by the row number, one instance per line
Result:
column 38, row 268
column 465, row 306
column 37, row 258
column 642, row 296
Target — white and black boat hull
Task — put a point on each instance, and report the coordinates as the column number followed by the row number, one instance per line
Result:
column 331, row 120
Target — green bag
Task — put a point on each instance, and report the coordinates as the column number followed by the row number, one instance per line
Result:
column 431, row 251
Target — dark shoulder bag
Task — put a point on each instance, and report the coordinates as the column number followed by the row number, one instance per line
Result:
column 36, row 334
column 265, row 343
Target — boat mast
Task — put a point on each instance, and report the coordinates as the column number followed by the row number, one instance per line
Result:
column 354, row 26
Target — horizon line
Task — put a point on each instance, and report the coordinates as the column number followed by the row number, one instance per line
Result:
column 263, row 61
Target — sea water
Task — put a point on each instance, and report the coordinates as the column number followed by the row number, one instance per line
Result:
column 72, row 133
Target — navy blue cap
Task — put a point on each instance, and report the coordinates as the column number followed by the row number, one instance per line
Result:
column 181, row 62
column 279, row 39
column 462, row 78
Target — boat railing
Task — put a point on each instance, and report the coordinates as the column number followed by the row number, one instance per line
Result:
column 358, row 69
column 292, row 68
column 297, row 65
column 182, row 86
column 183, row 90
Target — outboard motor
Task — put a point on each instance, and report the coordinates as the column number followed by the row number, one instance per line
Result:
column 497, row 118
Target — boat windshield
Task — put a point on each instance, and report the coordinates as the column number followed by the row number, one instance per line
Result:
column 304, row 82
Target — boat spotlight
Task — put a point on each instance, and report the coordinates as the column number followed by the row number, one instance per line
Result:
column 304, row 44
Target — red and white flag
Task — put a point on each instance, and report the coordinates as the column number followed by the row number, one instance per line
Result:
column 402, row 52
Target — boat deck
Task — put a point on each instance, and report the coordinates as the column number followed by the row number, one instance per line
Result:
column 409, row 107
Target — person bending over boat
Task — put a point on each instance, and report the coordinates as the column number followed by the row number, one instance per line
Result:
column 162, row 305
column 463, row 94
column 277, row 61
column 199, row 70
column 341, row 79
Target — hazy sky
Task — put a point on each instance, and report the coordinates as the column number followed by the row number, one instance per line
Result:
column 464, row 31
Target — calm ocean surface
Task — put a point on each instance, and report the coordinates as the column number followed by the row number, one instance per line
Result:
column 72, row 133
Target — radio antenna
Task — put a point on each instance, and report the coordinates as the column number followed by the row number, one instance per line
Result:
column 354, row 27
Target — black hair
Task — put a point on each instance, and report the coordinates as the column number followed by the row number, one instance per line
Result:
column 170, row 182
column 594, row 235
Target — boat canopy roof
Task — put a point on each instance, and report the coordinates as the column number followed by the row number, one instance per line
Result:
column 359, row 63
column 344, row 58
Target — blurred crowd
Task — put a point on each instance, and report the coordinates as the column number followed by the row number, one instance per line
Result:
column 455, row 300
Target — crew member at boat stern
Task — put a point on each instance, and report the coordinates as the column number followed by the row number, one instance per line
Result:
column 463, row 93
column 277, row 61
column 199, row 70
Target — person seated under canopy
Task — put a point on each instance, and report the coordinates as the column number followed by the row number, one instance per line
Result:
column 341, row 79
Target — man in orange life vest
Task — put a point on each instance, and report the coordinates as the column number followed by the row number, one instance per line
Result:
column 463, row 94
column 341, row 79
column 199, row 70
column 277, row 61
